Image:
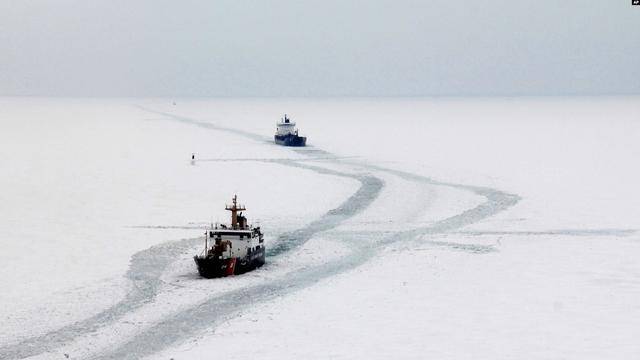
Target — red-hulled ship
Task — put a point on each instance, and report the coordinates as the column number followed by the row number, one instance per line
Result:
column 231, row 249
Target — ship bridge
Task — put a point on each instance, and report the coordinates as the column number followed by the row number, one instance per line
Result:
column 286, row 126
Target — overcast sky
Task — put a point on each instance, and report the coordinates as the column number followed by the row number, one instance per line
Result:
column 318, row 48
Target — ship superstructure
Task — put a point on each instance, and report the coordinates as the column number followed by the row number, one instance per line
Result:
column 287, row 134
column 231, row 249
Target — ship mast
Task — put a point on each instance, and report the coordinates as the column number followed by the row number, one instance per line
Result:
column 234, row 208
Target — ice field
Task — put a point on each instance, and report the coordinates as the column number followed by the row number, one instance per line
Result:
column 409, row 228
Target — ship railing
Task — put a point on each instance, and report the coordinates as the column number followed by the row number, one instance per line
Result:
column 239, row 207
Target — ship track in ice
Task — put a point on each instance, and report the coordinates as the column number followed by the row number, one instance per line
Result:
column 147, row 266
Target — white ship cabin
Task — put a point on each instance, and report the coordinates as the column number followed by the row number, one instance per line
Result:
column 235, row 240
column 286, row 127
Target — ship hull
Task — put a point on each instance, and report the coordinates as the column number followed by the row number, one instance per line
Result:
column 290, row 140
column 214, row 267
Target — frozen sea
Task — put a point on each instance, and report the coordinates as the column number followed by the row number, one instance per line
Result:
column 448, row 228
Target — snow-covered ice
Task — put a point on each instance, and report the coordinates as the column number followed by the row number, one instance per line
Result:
column 411, row 228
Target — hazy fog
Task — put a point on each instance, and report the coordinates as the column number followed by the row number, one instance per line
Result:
column 318, row 48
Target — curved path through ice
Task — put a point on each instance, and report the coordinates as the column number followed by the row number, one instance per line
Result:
column 192, row 321
column 147, row 266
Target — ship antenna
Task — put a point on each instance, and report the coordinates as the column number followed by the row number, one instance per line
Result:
column 234, row 211
column 206, row 245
